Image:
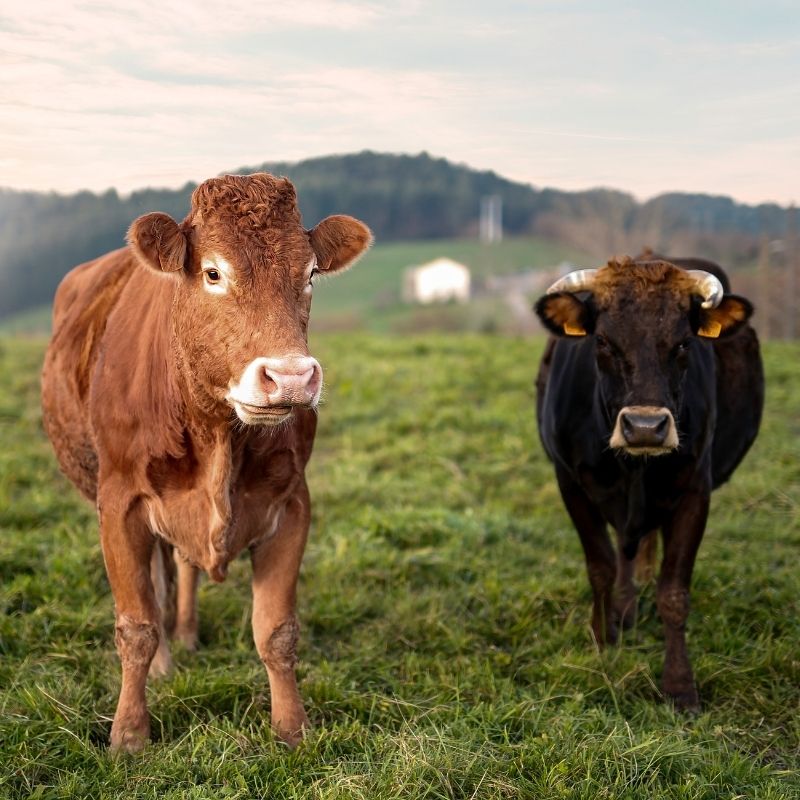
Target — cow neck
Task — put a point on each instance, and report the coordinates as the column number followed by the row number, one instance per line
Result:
column 210, row 412
column 208, row 440
column 635, row 523
column 207, row 423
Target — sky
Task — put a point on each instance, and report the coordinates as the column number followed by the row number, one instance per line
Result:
column 700, row 96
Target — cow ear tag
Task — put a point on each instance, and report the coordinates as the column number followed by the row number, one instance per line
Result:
column 710, row 329
column 573, row 330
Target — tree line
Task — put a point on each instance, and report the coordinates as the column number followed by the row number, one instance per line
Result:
column 43, row 235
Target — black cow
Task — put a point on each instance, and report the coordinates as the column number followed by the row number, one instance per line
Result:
column 648, row 397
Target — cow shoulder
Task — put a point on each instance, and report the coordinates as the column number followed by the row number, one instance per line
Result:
column 83, row 304
column 135, row 399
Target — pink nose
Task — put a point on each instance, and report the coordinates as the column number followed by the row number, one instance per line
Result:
column 299, row 386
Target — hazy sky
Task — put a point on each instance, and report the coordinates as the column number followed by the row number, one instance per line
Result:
column 646, row 97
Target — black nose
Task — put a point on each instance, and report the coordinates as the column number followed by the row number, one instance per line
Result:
column 644, row 430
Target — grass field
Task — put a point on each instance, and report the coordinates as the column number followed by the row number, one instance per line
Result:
column 445, row 644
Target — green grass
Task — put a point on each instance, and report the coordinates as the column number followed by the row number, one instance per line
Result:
column 445, row 645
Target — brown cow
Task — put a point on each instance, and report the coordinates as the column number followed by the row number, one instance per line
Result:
column 180, row 396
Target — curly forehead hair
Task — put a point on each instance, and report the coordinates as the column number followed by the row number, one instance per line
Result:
column 252, row 204
column 634, row 280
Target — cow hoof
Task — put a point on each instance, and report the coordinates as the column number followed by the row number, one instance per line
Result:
column 187, row 639
column 161, row 665
column 129, row 740
column 626, row 611
column 612, row 635
column 687, row 702
column 292, row 732
column 604, row 633
column 605, row 636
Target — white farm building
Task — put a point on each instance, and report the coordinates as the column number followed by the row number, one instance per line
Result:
column 437, row 281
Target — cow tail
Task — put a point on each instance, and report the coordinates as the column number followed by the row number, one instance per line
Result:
column 162, row 573
column 644, row 568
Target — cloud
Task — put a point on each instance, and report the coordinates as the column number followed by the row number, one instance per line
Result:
column 113, row 123
column 101, row 93
column 99, row 24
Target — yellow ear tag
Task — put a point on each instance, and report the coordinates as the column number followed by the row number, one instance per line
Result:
column 710, row 329
column 573, row 330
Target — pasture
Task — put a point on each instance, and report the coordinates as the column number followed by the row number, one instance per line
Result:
column 445, row 647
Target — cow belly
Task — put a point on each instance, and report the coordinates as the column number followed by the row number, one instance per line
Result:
column 66, row 427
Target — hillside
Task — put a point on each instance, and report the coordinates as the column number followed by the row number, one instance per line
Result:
column 401, row 197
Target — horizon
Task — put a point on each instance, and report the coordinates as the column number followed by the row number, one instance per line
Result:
column 564, row 95
column 125, row 194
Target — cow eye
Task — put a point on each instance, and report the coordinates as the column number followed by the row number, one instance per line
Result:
column 314, row 272
column 212, row 275
column 601, row 341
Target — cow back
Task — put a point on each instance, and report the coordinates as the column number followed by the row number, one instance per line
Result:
column 740, row 401
column 83, row 303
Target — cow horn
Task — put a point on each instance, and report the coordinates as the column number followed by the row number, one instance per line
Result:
column 708, row 287
column 580, row 280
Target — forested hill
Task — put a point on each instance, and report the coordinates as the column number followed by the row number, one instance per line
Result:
column 401, row 197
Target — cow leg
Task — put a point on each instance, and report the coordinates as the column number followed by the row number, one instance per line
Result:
column 599, row 554
column 186, row 606
column 682, row 536
column 276, row 564
column 127, row 548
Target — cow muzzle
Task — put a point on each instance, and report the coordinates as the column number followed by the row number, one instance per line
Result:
column 271, row 388
column 645, row 431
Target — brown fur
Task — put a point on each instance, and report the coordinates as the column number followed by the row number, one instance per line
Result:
column 338, row 245
column 280, row 652
column 134, row 393
column 157, row 239
column 625, row 280
column 564, row 311
column 663, row 288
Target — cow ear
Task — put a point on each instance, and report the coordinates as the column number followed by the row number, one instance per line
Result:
column 563, row 314
column 158, row 243
column 727, row 318
column 338, row 242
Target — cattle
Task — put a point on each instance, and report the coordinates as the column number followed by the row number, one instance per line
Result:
column 180, row 396
column 649, row 394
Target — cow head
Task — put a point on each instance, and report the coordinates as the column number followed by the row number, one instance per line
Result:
column 243, row 269
column 643, row 319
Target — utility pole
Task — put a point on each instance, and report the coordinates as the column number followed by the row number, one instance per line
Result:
column 491, row 225
column 792, row 260
column 764, row 287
